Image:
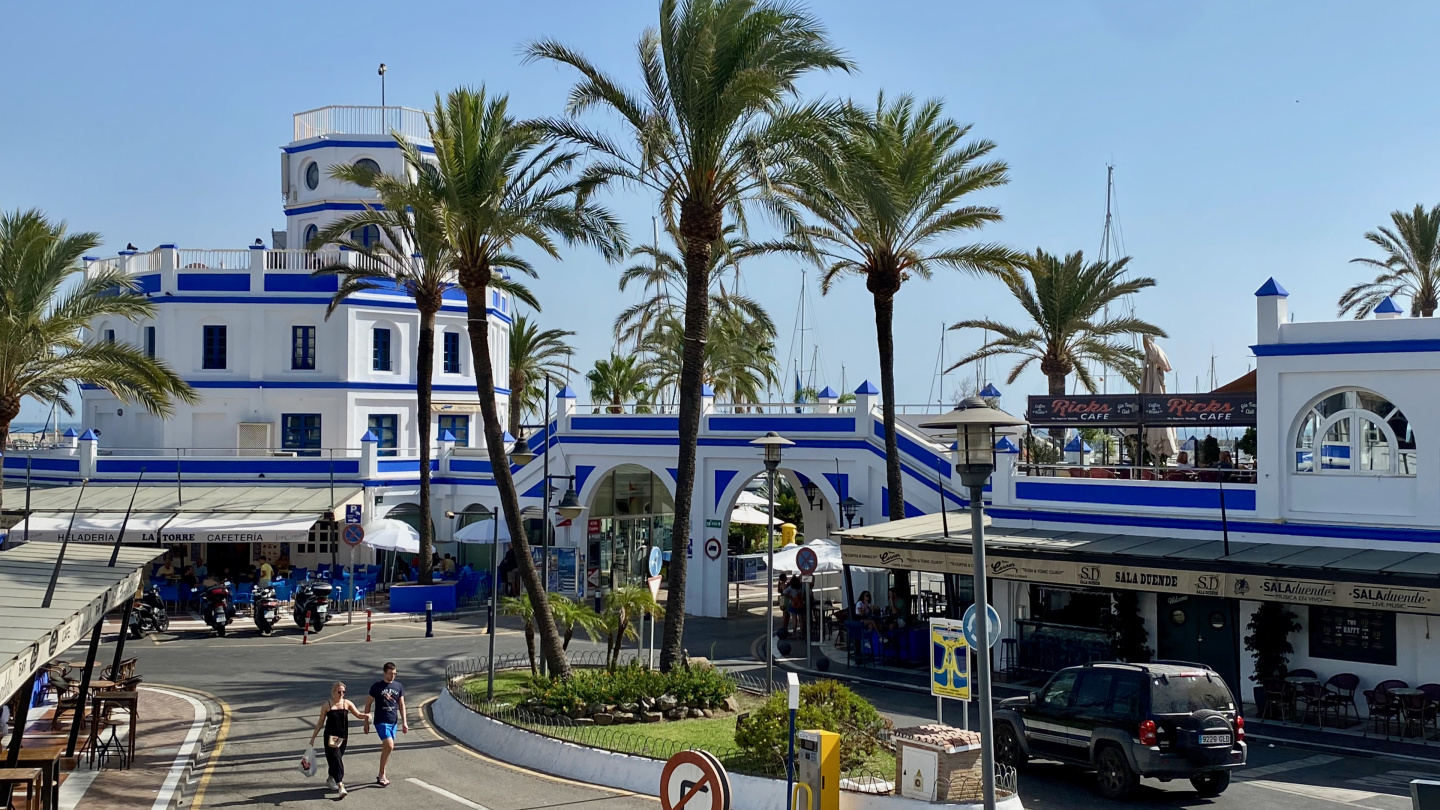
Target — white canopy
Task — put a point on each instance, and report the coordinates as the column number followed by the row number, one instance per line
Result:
column 749, row 515
column 748, row 498
column 91, row 528
column 482, row 532
column 386, row 534
column 188, row 527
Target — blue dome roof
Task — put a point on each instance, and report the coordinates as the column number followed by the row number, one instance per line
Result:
column 707, row 390
column 867, row 387
column 990, row 391
column 70, row 433
column 370, row 437
column 566, row 393
column 88, row 436
column 1271, row 287
column 1077, row 446
column 447, row 436
column 828, row 393
column 1006, row 446
column 1388, row 307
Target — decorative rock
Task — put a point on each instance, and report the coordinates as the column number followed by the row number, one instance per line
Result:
column 698, row 662
column 603, row 719
column 651, row 717
column 647, row 703
column 697, row 713
column 595, row 708
column 629, row 707
column 624, row 717
column 667, row 702
column 731, row 704
column 707, row 713
column 675, row 714
column 584, row 721
column 549, row 712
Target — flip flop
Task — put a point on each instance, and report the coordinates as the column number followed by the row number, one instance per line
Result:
column 382, row 782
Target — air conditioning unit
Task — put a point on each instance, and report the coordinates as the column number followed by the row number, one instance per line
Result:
column 254, row 438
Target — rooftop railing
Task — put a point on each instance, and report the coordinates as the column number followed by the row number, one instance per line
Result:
column 362, row 120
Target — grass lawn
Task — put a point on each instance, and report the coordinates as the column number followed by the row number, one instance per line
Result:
column 716, row 734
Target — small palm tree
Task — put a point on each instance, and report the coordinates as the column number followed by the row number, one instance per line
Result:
column 624, row 609
column 886, row 206
column 571, row 615
column 739, row 353
column 620, row 379
column 502, row 185
column 525, row 609
column 43, row 317
column 709, row 133
column 661, row 274
column 1066, row 300
column 534, row 355
column 1411, row 265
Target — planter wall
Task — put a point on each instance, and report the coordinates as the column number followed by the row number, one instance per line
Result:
column 412, row 598
column 628, row 772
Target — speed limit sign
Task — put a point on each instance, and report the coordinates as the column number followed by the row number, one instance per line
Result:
column 694, row 780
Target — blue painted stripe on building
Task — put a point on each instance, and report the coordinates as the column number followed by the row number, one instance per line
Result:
column 300, row 282
column 1345, row 347
column 212, row 282
column 249, row 466
column 323, row 143
column 915, row 450
column 404, row 465
column 331, row 206
column 149, row 283
column 349, row 302
column 783, row 424
column 722, row 480
column 15, row 462
column 471, row 465
column 624, row 422
column 1175, row 497
column 358, row 386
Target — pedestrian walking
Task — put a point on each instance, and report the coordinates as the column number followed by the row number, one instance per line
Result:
column 335, row 722
column 387, row 695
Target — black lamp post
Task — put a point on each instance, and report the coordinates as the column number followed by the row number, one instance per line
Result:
column 974, row 421
column 486, row 514
column 773, row 444
column 812, row 490
column 848, row 508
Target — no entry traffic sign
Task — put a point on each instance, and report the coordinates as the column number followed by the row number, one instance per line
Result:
column 694, row 780
column 807, row 561
column 353, row 534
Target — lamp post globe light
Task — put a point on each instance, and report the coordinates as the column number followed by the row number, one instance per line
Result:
column 974, row 422
column 848, row 508
column 774, row 445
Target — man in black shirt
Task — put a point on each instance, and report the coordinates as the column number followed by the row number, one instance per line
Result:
column 387, row 695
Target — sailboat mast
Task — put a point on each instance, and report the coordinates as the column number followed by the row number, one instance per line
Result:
column 1105, row 240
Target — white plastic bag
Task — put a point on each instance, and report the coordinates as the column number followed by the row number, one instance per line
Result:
column 308, row 765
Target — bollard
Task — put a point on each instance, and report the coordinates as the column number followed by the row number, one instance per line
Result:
column 429, row 620
column 367, row 625
column 305, row 639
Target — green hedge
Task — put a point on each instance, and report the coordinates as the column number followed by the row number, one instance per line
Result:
column 698, row 687
column 823, row 704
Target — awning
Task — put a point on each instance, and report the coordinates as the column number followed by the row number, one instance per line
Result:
column 91, row 528
column 188, row 527
column 31, row 636
column 1403, row 582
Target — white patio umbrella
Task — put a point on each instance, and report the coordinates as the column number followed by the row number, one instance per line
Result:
column 749, row 515
column 387, row 534
column 482, row 532
column 1159, row 441
column 748, row 498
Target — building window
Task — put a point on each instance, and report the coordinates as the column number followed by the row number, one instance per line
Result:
column 380, row 350
column 452, row 353
column 368, row 164
column 366, row 236
column 384, row 428
column 310, row 233
column 302, row 348
column 312, row 175
column 458, row 425
column 109, row 336
column 1357, row 433
column 300, row 432
column 150, row 342
column 213, row 348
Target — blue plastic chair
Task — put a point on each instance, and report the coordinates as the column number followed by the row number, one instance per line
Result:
column 282, row 589
column 245, row 594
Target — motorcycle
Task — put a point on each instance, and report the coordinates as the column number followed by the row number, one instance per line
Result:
column 149, row 614
column 312, row 598
column 266, row 610
column 219, row 608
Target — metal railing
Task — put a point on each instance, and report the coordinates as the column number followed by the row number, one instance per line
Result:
column 1203, row 475
column 189, row 258
column 362, row 120
column 308, row 260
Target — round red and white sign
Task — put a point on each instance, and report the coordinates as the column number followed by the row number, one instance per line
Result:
column 807, row 560
column 713, row 548
column 694, row 780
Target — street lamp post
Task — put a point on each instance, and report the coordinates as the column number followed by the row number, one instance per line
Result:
column 773, row 444
column 494, row 596
column 974, row 421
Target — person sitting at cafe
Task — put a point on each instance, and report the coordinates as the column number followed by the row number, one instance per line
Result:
column 1182, row 461
column 167, row 570
column 200, row 569
column 447, row 565
column 898, row 611
column 1224, row 463
column 210, row 581
column 282, row 566
column 865, row 611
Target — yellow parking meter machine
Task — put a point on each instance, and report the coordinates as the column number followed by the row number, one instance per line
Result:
column 818, row 766
column 787, row 533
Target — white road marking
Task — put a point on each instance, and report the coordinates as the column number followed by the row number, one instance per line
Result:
column 72, row 790
column 1332, row 794
column 1392, row 780
column 447, row 794
column 182, row 758
column 1246, row 774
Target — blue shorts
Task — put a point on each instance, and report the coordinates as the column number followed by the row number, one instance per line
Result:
column 386, row 730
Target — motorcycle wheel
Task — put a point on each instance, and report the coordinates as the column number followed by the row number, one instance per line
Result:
column 163, row 624
column 221, row 630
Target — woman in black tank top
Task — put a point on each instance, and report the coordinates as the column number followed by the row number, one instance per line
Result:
column 335, row 723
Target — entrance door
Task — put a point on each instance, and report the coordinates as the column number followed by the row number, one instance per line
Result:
column 1200, row 629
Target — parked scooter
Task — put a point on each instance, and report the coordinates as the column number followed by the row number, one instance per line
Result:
column 266, row 610
column 312, row 597
column 149, row 614
column 219, row 608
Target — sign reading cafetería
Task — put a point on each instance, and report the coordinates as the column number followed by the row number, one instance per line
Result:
column 1296, row 591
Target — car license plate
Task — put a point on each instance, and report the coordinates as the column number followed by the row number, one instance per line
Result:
column 1214, row 739
column 270, row 615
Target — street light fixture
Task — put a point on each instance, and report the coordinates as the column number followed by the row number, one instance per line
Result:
column 521, row 454
column 975, row 421
column 848, row 508
column 774, row 445
column 812, row 491
column 484, row 513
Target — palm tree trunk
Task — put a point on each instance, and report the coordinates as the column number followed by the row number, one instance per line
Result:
column 885, row 338
column 425, row 373
column 530, row 647
column 514, row 403
column 699, row 226
column 9, row 409
column 1057, row 389
column 477, row 296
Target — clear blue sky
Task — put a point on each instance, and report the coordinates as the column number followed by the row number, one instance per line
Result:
column 1249, row 140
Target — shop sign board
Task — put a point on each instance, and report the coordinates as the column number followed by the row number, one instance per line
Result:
column 1094, row 409
column 1158, row 410
column 949, row 660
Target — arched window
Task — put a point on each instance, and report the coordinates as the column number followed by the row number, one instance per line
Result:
column 1355, row 432
column 368, row 165
column 311, row 231
column 366, row 236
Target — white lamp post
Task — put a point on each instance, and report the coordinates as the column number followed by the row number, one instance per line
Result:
column 773, row 444
column 974, row 422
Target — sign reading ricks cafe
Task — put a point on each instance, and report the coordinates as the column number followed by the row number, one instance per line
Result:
column 1147, row 409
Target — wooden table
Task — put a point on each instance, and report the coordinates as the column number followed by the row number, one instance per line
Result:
column 44, row 753
column 31, row 778
column 130, row 701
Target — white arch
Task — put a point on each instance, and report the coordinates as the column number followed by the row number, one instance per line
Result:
column 747, row 472
column 1356, row 416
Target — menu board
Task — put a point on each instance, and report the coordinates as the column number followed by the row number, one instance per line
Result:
column 1352, row 634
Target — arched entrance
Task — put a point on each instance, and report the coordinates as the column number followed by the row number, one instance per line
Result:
column 630, row 510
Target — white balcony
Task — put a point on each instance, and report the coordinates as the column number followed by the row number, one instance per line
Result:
column 358, row 120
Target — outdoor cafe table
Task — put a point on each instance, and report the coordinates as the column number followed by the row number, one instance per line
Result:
column 1405, row 691
column 128, row 700
column 1294, row 685
column 44, row 753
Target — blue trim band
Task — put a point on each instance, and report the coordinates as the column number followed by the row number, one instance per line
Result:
column 1132, row 495
column 15, row 462
column 323, row 143
column 300, row 282
column 625, row 422
column 348, row 302
column 212, row 282
column 148, row 283
column 1213, row 525
column 292, row 466
column 760, row 424
column 330, row 206
column 1345, row 347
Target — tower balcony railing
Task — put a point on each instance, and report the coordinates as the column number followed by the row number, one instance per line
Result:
column 362, row 120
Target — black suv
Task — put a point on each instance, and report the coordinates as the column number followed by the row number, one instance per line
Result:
column 1166, row 719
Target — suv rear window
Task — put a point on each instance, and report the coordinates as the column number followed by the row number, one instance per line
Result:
column 1183, row 694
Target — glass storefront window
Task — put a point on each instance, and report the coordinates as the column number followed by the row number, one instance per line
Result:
column 631, row 511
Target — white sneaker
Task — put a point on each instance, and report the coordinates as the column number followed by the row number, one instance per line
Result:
column 331, row 783
column 342, row 793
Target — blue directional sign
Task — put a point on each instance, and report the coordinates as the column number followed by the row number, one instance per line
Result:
column 656, row 558
column 992, row 626
column 352, row 513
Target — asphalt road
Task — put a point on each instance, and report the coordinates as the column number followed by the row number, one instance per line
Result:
column 274, row 687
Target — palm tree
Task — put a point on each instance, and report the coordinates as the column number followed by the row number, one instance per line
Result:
column 1066, row 300
column 620, row 379
column 571, row 615
column 500, row 185
column 534, row 355
column 1411, row 265
column 739, row 353
column 661, row 273
column 625, row 608
column 708, row 134
column 525, row 609
column 885, row 209
column 43, row 317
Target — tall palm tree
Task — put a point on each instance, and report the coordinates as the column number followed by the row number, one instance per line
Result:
column 661, row 273
column 501, row 184
column 43, row 317
column 1066, row 301
column 534, row 355
column 886, row 209
column 618, row 379
column 708, row 133
column 739, row 362
column 1411, row 265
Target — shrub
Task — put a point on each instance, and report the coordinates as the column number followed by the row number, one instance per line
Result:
column 1270, row 627
column 823, row 705
column 700, row 687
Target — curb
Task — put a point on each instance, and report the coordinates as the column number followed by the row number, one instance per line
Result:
column 199, row 759
column 1305, row 745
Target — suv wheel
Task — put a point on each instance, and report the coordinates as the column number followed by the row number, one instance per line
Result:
column 1008, row 750
column 1210, row 785
column 1113, row 775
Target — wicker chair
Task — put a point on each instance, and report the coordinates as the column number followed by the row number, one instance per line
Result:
column 1341, row 690
column 1379, row 706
